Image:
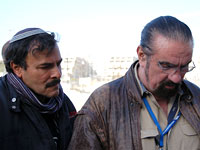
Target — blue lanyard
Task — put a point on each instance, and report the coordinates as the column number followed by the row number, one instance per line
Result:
column 169, row 126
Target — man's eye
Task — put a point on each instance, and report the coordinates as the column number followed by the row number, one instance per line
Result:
column 166, row 66
column 46, row 67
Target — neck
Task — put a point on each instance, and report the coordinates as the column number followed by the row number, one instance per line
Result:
column 142, row 76
column 163, row 103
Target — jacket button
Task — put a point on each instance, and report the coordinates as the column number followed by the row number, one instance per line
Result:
column 13, row 100
column 13, row 107
column 189, row 97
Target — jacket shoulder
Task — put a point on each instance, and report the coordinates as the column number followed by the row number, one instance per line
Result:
column 101, row 98
column 105, row 91
column 191, row 85
column 193, row 88
column 3, row 88
column 2, row 82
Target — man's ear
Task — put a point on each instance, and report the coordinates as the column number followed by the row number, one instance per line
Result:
column 16, row 69
column 141, row 54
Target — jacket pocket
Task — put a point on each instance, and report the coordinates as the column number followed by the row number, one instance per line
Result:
column 190, row 138
column 188, row 130
column 148, row 133
column 148, row 139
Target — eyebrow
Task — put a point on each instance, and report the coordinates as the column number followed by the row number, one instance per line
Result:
column 174, row 65
column 49, row 64
column 167, row 63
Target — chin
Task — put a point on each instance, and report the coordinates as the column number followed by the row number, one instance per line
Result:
column 53, row 93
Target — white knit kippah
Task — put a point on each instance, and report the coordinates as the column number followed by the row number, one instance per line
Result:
column 26, row 33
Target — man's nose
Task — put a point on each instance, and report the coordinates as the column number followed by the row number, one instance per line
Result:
column 56, row 72
column 176, row 76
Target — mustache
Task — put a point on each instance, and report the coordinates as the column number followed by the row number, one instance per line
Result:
column 170, row 83
column 53, row 83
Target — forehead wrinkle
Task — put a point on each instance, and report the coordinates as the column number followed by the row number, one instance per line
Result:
column 168, row 47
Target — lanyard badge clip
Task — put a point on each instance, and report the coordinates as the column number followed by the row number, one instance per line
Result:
column 157, row 140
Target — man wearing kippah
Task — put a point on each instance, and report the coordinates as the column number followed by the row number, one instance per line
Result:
column 35, row 113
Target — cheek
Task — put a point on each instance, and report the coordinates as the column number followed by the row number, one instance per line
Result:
column 42, row 80
column 156, row 78
column 38, row 85
column 142, row 64
column 39, row 80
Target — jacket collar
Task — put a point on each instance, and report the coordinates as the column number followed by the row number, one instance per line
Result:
column 133, row 88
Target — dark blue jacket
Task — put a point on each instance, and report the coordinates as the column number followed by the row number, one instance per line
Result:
column 23, row 127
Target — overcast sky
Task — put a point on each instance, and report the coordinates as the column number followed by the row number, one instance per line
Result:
column 92, row 27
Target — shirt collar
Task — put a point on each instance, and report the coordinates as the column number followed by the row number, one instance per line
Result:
column 143, row 90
